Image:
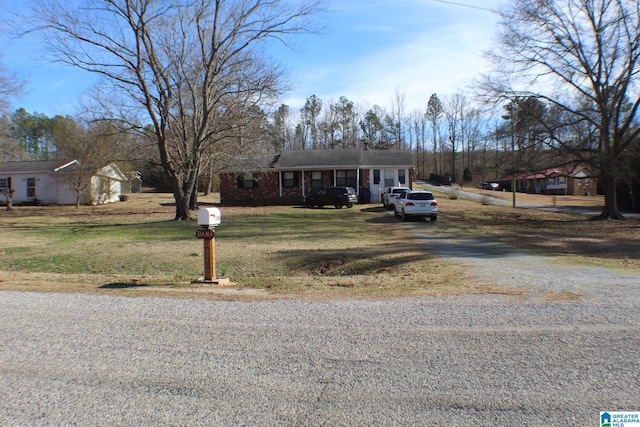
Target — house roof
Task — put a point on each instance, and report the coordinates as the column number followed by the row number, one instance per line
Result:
column 32, row 166
column 52, row 166
column 576, row 172
column 343, row 158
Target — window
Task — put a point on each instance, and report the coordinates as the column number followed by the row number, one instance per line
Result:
column 376, row 176
column 420, row 196
column 348, row 178
column 316, row 179
column 290, row 179
column 389, row 178
column 247, row 180
column 31, row 187
column 401, row 177
column 558, row 180
column 4, row 184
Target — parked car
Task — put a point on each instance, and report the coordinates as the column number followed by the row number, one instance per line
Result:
column 490, row 186
column 390, row 195
column 417, row 203
column 336, row 196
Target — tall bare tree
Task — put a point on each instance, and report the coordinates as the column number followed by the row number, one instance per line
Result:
column 581, row 57
column 192, row 69
column 454, row 110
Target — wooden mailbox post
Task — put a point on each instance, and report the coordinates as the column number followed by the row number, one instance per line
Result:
column 208, row 219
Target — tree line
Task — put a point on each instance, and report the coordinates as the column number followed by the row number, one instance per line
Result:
column 192, row 78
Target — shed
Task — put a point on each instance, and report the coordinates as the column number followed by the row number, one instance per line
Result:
column 51, row 182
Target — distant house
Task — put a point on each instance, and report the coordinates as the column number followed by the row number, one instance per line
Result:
column 49, row 182
column 557, row 181
column 286, row 178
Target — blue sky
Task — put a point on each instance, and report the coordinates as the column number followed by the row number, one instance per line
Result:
column 370, row 50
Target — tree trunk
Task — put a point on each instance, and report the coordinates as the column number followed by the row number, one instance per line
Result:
column 182, row 205
column 193, row 200
column 9, row 198
column 610, row 209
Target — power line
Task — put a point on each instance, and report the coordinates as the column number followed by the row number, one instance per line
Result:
column 453, row 3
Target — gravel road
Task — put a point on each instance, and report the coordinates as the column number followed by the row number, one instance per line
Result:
column 481, row 360
column 82, row 360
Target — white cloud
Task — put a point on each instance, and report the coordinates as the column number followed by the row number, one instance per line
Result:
column 442, row 60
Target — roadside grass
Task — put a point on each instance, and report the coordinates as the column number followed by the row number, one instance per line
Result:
column 134, row 248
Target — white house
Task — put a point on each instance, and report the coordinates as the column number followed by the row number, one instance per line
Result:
column 48, row 182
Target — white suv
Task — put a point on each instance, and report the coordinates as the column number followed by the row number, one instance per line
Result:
column 416, row 203
column 390, row 195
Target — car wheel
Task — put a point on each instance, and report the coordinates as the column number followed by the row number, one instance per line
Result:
column 434, row 217
column 404, row 217
column 338, row 206
column 350, row 205
column 395, row 213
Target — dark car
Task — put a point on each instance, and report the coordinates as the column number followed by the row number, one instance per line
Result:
column 490, row 186
column 336, row 196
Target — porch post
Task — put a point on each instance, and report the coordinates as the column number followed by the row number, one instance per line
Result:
column 304, row 188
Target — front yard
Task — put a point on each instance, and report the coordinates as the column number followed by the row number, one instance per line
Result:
column 133, row 248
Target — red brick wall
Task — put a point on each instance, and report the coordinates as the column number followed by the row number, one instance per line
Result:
column 267, row 193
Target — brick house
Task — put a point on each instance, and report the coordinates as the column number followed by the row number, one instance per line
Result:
column 557, row 181
column 286, row 178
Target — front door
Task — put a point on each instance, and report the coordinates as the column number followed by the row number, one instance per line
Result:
column 376, row 185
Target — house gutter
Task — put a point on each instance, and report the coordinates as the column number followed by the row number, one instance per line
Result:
column 66, row 165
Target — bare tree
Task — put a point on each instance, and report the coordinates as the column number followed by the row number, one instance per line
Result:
column 398, row 118
column 581, row 57
column 91, row 145
column 189, row 69
column 418, row 130
column 11, row 87
column 454, row 113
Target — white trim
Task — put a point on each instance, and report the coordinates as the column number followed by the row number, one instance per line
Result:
column 66, row 165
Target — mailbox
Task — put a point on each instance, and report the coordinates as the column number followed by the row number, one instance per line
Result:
column 209, row 217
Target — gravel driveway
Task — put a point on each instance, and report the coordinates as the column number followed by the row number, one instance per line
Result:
column 83, row 360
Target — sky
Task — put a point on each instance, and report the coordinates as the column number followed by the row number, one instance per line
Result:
column 369, row 51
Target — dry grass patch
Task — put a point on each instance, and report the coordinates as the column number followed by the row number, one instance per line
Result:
column 571, row 238
column 134, row 248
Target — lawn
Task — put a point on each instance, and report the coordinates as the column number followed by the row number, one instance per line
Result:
column 134, row 248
